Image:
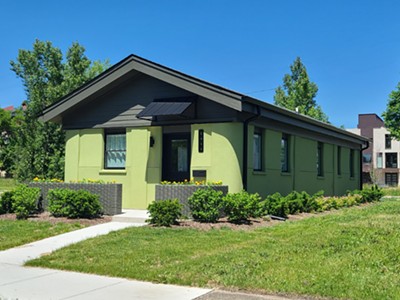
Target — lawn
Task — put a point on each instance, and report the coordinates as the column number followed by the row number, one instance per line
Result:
column 7, row 184
column 15, row 233
column 350, row 254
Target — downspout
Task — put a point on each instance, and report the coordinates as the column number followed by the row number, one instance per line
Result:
column 245, row 145
column 361, row 164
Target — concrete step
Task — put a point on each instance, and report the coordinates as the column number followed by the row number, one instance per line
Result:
column 132, row 216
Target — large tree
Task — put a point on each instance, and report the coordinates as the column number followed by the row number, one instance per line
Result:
column 298, row 92
column 37, row 147
column 392, row 113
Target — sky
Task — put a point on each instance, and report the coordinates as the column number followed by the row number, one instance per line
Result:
column 351, row 49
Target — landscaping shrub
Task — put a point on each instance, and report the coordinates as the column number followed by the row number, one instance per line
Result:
column 25, row 201
column 164, row 212
column 275, row 205
column 6, row 202
column 372, row 194
column 74, row 204
column 239, row 207
column 205, row 205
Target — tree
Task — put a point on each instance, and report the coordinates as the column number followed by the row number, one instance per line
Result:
column 37, row 147
column 298, row 93
column 392, row 114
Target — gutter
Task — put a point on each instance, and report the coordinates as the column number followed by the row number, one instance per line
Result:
column 245, row 145
column 361, row 164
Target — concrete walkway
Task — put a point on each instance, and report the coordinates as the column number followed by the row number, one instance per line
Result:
column 18, row 282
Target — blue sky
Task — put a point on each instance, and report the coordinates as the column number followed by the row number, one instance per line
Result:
column 351, row 48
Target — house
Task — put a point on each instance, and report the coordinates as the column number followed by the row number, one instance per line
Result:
column 380, row 159
column 140, row 123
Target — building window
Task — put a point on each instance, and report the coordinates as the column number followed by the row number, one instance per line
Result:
column 388, row 141
column 351, row 162
column 257, row 150
column 391, row 160
column 379, row 160
column 285, row 153
column 391, row 179
column 320, row 159
column 339, row 160
column 115, row 150
column 367, row 157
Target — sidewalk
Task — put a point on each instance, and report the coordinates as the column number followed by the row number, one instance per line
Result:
column 18, row 282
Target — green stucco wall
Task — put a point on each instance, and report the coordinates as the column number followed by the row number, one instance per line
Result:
column 221, row 159
column 223, row 152
column 302, row 175
column 85, row 160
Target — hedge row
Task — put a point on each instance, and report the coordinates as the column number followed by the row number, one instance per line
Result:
column 25, row 201
column 208, row 205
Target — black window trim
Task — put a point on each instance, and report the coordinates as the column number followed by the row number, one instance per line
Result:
column 320, row 159
column 285, row 138
column 112, row 131
column 259, row 132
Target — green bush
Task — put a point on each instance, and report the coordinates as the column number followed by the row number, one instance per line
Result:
column 239, row 207
column 206, row 204
column 25, row 201
column 275, row 205
column 74, row 204
column 372, row 194
column 164, row 212
column 6, row 202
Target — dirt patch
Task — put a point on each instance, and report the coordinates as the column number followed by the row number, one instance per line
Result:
column 253, row 224
column 47, row 217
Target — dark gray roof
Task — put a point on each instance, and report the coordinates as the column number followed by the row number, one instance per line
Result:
column 132, row 65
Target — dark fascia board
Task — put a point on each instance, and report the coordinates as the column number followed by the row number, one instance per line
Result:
column 131, row 63
column 289, row 117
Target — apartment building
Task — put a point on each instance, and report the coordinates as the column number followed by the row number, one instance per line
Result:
column 380, row 159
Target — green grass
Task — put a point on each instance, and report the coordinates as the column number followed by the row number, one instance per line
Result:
column 7, row 184
column 392, row 191
column 15, row 233
column 352, row 254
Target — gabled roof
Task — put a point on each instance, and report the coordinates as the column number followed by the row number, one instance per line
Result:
column 133, row 65
column 130, row 66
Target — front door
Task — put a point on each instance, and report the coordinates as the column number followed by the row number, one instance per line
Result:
column 176, row 157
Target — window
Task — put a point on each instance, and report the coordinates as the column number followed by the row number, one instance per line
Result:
column 391, row 179
column 285, row 153
column 388, row 141
column 379, row 160
column 391, row 160
column 351, row 162
column 320, row 158
column 367, row 157
column 257, row 150
column 339, row 160
column 115, row 150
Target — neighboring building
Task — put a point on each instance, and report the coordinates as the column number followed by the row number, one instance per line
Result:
column 380, row 159
column 140, row 123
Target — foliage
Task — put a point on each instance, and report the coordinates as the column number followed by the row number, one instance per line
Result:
column 298, row 93
column 352, row 254
column 239, row 207
column 275, row 205
column 6, row 202
column 5, row 128
column 25, row 201
column 372, row 194
column 74, row 204
column 191, row 182
column 392, row 114
column 205, row 205
column 35, row 148
column 164, row 212
column 13, row 234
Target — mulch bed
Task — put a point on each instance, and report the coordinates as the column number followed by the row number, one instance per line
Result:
column 47, row 217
